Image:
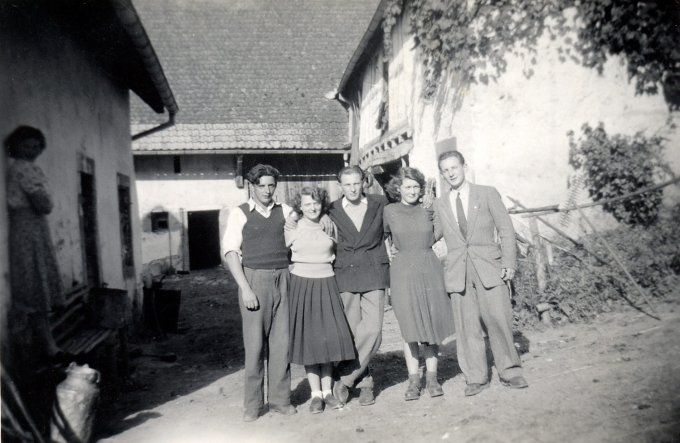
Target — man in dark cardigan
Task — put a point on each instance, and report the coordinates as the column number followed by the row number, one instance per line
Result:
column 362, row 273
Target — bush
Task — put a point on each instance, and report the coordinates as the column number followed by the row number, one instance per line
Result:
column 617, row 165
column 579, row 290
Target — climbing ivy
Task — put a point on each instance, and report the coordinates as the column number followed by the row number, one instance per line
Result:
column 472, row 38
column 616, row 165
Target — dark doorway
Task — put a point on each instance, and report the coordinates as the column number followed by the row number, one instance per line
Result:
column 88, row 226
column 204, row 239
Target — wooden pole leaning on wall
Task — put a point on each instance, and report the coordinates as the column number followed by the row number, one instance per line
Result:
column 575, row 242
column 540, row 258
column 541, row 268
column 556, row 208
column 614, row 255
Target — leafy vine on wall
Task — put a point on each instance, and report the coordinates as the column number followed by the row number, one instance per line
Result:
column 472, row 38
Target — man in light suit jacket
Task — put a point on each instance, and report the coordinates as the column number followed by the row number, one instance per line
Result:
column 476, row 271
column 362, row 273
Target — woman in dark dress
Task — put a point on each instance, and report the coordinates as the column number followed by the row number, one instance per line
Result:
column 419, row 298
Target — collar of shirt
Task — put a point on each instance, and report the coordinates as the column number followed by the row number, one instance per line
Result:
column 464, row 190
column 264, row 211
column 345, row 202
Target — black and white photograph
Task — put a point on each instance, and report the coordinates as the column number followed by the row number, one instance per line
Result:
column 288, row 221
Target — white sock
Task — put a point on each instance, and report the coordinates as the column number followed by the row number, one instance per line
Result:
column 327, row 392
column 316, row 394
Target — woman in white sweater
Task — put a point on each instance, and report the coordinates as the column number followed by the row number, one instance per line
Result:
column 319, row 332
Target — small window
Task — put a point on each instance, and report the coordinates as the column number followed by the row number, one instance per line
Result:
column 159, row 221
column 177, row 164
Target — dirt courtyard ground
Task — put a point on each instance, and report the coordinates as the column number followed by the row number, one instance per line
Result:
column 616, row 379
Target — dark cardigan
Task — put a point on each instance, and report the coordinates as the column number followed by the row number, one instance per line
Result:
column 361, row 262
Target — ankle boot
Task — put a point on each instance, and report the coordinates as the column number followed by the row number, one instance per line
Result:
column 413, row 390
column 432, row 385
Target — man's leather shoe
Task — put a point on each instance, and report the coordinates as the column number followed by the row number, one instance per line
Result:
column 475, row 388
column 340, row 392
column 517, row 382
column 283, row 410
column 366, row 397
column 316, row 405
column 332, row 402
column 251, row 416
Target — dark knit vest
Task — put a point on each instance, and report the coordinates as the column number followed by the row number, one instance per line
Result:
column 264, row 246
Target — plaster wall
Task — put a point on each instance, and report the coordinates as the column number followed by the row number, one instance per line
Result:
column 513, row 132
column 51, row 83
column 207, row 182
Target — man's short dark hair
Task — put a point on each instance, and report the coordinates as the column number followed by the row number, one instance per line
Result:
column 347, row 170
column 258, row 171
column 449, row 154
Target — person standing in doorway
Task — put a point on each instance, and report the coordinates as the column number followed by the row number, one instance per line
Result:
column 362, row 273
column 476, row 272
column 257, row 256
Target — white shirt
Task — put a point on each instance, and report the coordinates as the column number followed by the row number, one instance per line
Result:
column 356, row 213
column 233, row 234
column 464, row 192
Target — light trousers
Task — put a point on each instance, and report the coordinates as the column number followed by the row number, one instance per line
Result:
column 265, row 337
column 364, row 312
column 492, row 306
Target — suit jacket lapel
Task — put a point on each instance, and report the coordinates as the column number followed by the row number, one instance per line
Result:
column 473, row 209
column 343, row 219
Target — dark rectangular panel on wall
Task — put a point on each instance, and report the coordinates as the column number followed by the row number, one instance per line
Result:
column 204, row 239
column 125, row 215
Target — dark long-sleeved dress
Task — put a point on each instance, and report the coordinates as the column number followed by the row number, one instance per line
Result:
column 419, row 298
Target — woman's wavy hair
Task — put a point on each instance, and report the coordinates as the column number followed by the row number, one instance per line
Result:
column 318, row 194
column 395, row 182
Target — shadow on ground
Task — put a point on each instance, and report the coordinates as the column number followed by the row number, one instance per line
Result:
column 208, row 346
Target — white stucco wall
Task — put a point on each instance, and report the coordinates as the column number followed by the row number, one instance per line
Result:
column 205, row 183
column 513, row 132
column 52, row 84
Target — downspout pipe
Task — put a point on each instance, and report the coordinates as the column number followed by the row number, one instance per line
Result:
column 140, row 40
column 169, row 123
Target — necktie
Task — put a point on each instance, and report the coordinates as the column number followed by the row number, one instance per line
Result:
column 460, row 214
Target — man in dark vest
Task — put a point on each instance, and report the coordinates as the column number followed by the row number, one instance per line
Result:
column 362, row 273
column 257, row 257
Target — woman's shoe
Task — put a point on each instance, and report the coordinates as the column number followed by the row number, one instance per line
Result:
column 316, row 406
column 332, row 402
column 413, row 390
column 432, row 385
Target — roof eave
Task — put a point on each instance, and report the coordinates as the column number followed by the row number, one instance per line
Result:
column 130, row 20
column 344, row 150
column 357, row 56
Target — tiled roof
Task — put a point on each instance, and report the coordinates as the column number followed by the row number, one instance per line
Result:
column 242, row 137
column 253, row 74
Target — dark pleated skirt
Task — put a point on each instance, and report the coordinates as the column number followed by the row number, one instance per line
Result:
column 319, row 332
